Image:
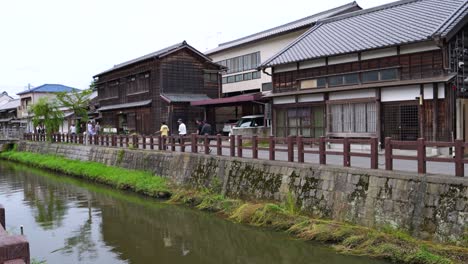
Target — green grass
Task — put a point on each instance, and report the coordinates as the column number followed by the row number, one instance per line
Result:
column 137, row 181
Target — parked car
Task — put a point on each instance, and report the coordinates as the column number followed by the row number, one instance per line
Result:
column 227, row 127
column 250, row 125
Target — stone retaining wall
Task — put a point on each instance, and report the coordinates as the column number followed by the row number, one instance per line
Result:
column 429, row 206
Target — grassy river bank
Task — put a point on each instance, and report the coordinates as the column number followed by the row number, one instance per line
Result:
column 387, row 243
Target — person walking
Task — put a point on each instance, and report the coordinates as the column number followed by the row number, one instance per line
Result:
column 199, row 133
column 206, row 130
column 73, row 129
column 97, row 128
column 182, row 130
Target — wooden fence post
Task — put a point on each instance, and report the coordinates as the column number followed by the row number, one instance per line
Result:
column 193, row 139
column 374, row 152
column 232, row 145
column 182, row 145
column 300, row 149
column 206, row 144
column 421, row 148
column 255, row 147
column 290, row 143
column 346, row 150
column 127, row 141
column 239, row 146
column 135, row 142
column 388, row 154
column 151, row 142
column 271, row 147
column 173, row 142
column 322, row 151
column 219, row 149
column 459, row 152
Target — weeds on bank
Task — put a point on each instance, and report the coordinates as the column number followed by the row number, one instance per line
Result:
column 388, row 243
column 137, row 181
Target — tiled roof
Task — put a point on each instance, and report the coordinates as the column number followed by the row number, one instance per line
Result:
column 123, row 106
column 183, row 98
column 156, row 54
column 397, row 23
column 49, row 88
column 303, row 22
column 12, row 104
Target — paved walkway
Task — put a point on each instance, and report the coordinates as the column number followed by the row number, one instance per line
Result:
column 445, row 168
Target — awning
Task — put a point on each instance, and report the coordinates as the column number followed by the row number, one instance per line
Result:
column 123, row 106
column 228, row 100
column 442, row 79
column 183, row 98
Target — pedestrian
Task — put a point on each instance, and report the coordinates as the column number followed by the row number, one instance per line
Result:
column 73, row 129
column 90, row 129
column 164, row 130
column 206, row 131
column 97, row 128
column 182, row 130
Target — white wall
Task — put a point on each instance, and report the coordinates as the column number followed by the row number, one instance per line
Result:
column 267, row 48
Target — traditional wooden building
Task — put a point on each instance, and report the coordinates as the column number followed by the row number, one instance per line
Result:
column 389, row 71
column 242, row 84
column 137, row 95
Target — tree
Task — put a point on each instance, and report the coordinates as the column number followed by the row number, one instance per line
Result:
column 78, row 102
column 47, row 112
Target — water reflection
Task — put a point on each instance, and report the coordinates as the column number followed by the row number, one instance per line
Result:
column 84, row 223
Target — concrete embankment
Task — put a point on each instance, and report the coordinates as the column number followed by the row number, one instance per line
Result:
column 428, row 206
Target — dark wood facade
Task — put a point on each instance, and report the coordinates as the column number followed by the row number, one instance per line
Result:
column 133, row 93
column 429, row 114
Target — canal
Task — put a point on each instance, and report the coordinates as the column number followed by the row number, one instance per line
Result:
column 70, row 221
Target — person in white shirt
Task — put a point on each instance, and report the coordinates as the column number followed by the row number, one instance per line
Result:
column 73, row 129
column 182, row 130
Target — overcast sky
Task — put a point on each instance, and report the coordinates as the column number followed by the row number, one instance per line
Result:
column 69, row 41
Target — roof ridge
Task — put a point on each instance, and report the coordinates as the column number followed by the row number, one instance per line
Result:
column 350, row 4
column 305, row 34
column 450, row 18
column 367, row 11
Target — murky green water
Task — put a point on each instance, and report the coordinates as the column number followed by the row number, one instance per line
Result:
column 69, row 221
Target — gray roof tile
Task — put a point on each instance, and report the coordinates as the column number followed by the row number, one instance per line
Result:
column 127, row 105
column 157, row 54
column 183, row 98
column 401, row 22
column 303, row 22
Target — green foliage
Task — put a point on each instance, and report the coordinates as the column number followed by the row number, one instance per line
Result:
column 290, row 204
column 78, row 102
column 47, row 112
column 137, row 181
column 35, row 261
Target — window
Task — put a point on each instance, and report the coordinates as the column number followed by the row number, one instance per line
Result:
column 256, row 75
column 247, row 76
column 211, row 77
column 242, row 63
column 267, row 86
column 353, row 118
column 335, row 80
column 351, row 79
column 371, row 76
column 239, row 77
column 390, row 74
column 224, row 80
column 306, row 121
column 313, row 83
column 231, row 79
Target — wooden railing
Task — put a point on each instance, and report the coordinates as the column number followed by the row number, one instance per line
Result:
column 295, row 148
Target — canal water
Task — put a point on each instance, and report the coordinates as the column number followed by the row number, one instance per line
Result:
column 69, row 221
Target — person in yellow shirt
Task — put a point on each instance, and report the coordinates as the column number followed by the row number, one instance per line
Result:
column 164, row 130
